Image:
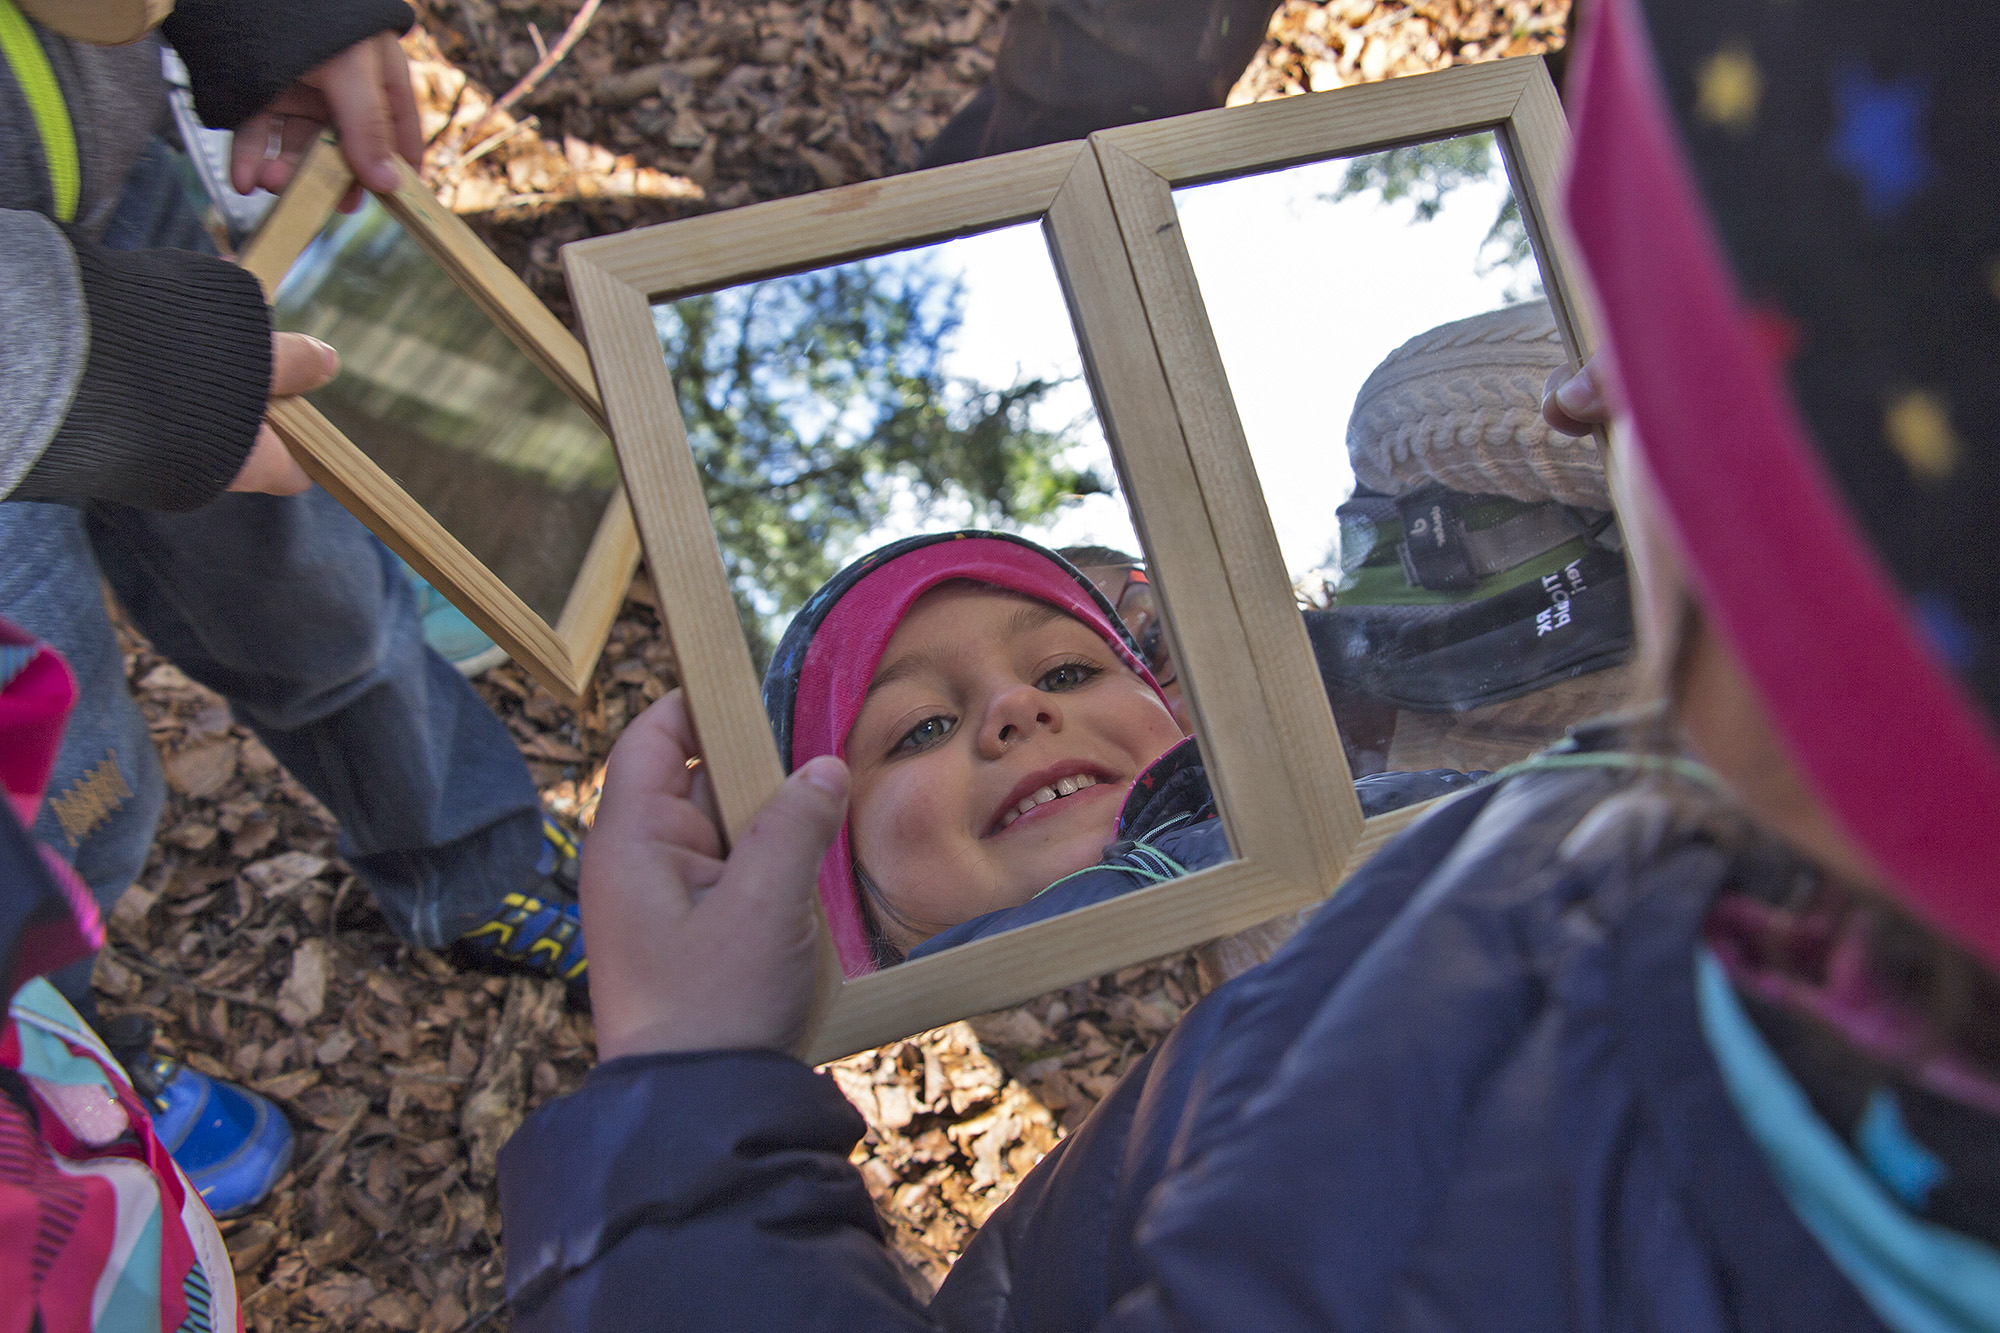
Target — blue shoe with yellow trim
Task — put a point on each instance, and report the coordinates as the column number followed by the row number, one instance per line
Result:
column 537, row 929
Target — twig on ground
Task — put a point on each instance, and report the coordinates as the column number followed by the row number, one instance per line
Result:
column 153, row 969
column 541, row 67
column 518, row 127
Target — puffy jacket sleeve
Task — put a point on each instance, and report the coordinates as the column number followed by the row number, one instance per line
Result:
column 136, row 376
column 709, row 1190
column 714, row 1190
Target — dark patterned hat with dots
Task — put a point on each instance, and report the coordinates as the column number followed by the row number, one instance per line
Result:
column 1789, row 214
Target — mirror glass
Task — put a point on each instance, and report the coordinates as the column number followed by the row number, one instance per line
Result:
column 931, row 390
column 436, row 394
column 1381, row 324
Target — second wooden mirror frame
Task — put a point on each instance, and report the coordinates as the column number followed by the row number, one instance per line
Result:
column 1273, row 754
column 561, row 656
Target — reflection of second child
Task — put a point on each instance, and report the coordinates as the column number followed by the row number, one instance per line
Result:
column 1012, row 755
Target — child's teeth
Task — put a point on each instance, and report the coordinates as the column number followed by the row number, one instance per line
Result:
column 1060, row 787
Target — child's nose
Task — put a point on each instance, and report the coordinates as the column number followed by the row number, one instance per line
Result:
column 1015, row 714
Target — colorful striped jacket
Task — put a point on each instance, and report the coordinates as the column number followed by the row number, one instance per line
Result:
column 99, row 1229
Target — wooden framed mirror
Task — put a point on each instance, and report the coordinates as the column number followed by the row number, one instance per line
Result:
column 1459, row 385
column 464, row 428
column 1257, row 704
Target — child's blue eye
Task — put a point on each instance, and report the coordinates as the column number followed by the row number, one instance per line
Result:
column 925, row 734
column 1068, row 676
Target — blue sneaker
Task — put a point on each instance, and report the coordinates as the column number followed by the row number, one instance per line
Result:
column 233, row 1144
column 537, row 929
column 450, row 633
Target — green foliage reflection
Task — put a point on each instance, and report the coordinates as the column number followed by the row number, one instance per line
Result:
column 819, row 406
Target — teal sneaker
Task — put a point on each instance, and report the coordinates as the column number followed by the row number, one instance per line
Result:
column 450, row 633
column 537, row 929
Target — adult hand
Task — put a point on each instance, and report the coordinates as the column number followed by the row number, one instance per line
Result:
column 298, row 365
column 1576, row 404
column 364, row 93
column 690, row 951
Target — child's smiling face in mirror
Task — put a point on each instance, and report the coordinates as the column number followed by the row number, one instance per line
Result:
column 991, row 756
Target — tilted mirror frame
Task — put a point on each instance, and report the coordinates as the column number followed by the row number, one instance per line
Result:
column 1273, row 753
column 561, row 656
column 1143, row 164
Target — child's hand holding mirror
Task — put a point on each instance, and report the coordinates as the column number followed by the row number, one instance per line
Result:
column 691, row 950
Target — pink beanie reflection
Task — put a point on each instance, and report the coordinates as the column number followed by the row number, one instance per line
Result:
column 819, row 675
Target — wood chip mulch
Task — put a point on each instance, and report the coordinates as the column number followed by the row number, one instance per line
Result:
column 256, row 951
column 261, row 959
column 667, row 108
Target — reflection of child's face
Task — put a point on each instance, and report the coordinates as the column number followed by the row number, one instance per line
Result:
column 984, row 701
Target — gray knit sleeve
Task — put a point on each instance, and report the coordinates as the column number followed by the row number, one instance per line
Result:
column 176, row 366
column 44, row 338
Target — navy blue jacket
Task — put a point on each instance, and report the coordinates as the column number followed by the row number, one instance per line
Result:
column 1470, row 1094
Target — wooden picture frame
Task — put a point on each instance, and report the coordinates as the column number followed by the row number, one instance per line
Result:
column 1273, row 753
column 562, row 655
column 1144, row 163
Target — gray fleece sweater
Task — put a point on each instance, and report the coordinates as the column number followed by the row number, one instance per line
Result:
column 140, row 376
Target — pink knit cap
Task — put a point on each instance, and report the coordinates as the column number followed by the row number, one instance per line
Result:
column 846, row 642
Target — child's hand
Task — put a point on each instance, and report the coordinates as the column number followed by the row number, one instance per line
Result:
column 298, row 365
column 1576, row 404
column 690, row 952
column 364, row 92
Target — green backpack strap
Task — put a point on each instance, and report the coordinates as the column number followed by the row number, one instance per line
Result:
column 37, row 80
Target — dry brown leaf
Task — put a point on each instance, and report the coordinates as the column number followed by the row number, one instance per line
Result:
column 284, row 872
column 303, row 996
column 446, row 1314
column 342, row 1296
column 193, row 834
column 132, row 906
column 286, row 1087
column 112, row 977
column 253, row 837
column 335, row 1048
column 334, row 1245
column 251, row 1245
column 255, row 760
column 202, row 767
column 396, row 1310
column 166, row 679
column 1012, row 1027
column 895, row 1107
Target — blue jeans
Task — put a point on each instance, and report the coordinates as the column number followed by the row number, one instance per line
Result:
column 292, row 611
